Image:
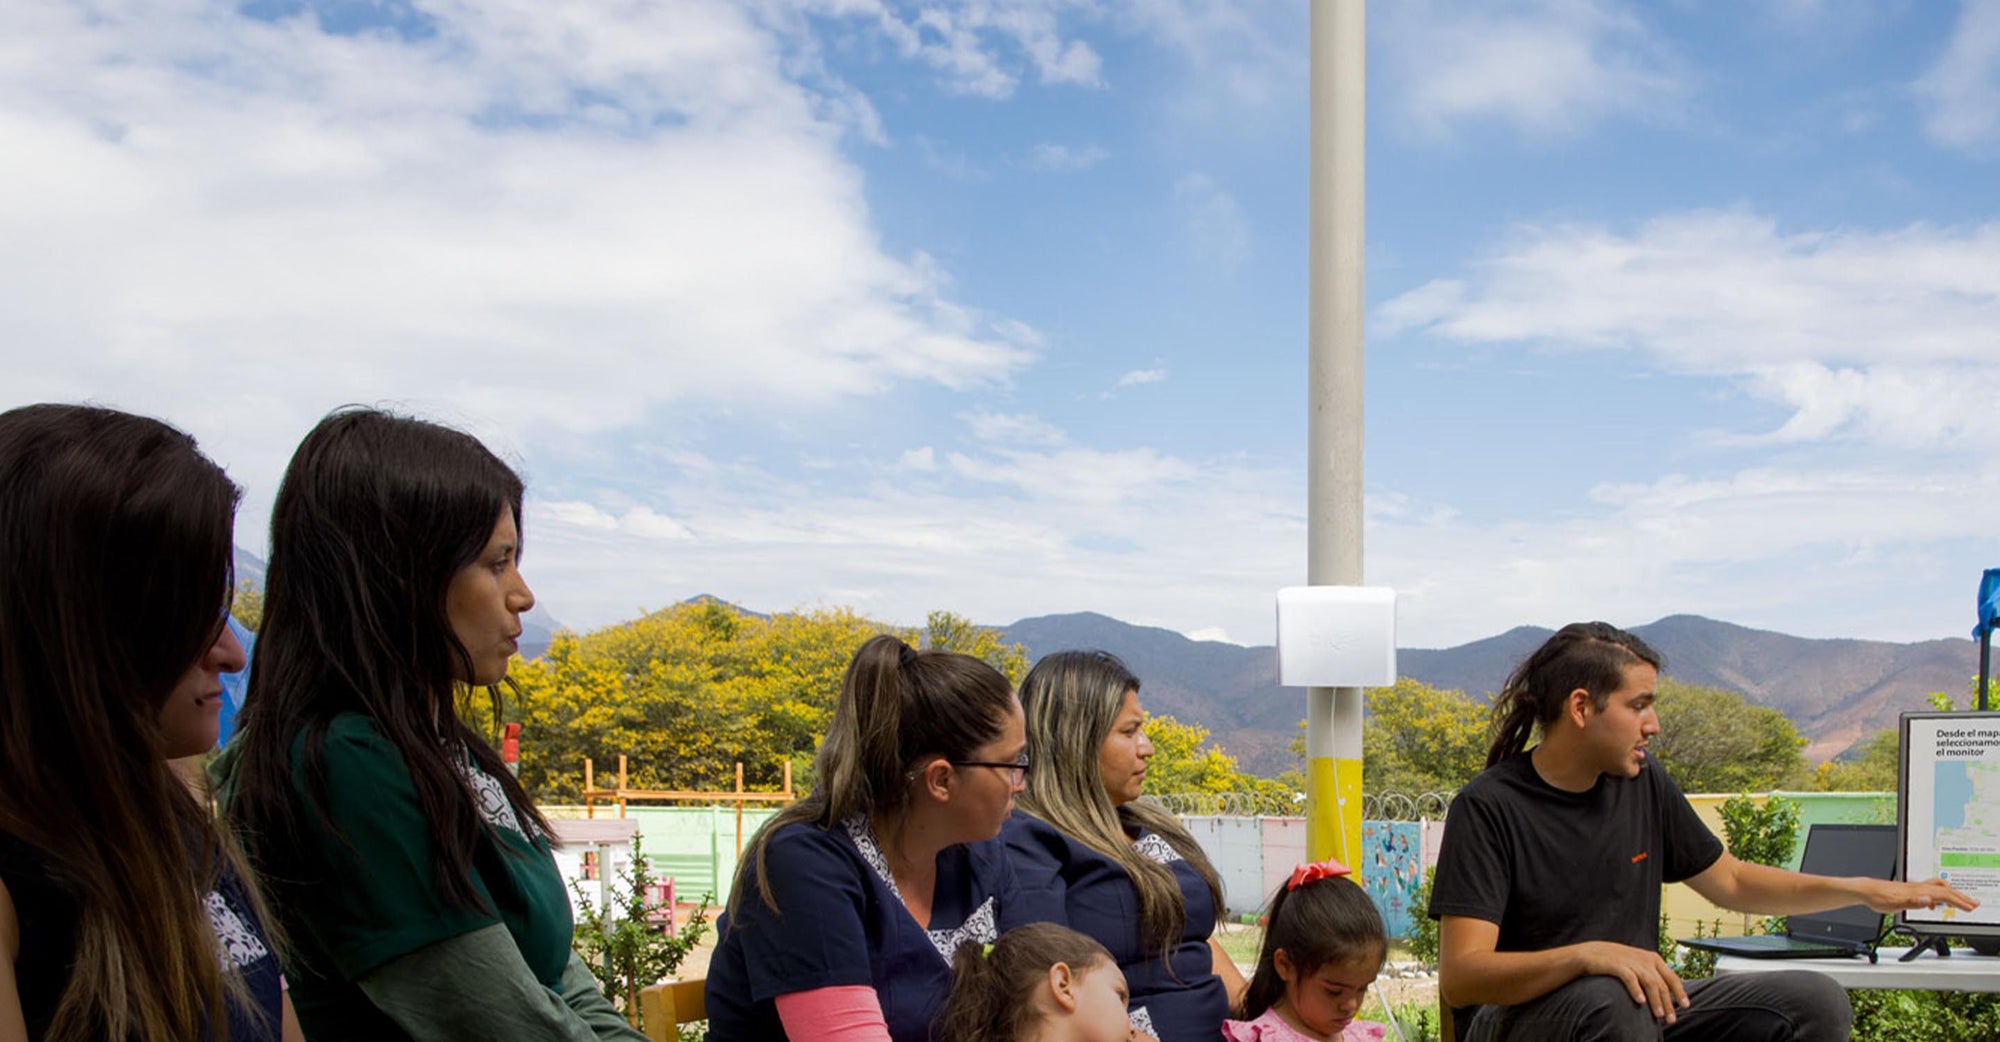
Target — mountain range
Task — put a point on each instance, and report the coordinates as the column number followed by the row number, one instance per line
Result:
column 1836, row 692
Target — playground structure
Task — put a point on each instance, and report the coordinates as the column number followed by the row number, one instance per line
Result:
column 624, row 794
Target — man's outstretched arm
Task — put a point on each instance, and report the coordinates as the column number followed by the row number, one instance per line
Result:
column 1745, row 886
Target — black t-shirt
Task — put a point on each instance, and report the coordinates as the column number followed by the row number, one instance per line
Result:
column 1553, row 868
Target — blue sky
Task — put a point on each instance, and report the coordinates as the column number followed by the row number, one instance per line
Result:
column 999, row 306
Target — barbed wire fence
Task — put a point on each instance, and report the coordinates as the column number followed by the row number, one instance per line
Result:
column 1375, row 806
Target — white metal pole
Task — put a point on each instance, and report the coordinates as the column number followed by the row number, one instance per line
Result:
column 1334, row 386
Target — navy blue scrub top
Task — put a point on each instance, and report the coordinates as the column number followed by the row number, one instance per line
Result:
column 1064, row 881
column 841, row 922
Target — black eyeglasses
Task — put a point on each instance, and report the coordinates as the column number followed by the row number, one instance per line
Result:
column 1017, row 771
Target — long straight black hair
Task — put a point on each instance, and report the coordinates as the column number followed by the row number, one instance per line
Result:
column 1592, row 656
column 377, row 512
column 115, row 550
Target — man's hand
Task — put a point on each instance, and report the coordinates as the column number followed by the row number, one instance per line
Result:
column 1885, row 896
column 1648, row 978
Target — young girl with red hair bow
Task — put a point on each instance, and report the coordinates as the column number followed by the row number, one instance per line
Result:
column 1323, row 946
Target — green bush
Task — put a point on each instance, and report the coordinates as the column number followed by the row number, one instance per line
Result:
column 624, row 951
column 1764, row 835
column 1925, row 1016
column 1419, row 1021
column 1424, row 933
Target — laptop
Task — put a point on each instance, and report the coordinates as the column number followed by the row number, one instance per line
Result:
column 1831, row 850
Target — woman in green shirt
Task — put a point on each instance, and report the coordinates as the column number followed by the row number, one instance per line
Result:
column 408, row 867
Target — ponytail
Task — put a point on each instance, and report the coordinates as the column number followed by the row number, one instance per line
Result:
column 1319, row 920
column 980, row 1007
column 897, row 706
column 993, row 999
column 1591, row 656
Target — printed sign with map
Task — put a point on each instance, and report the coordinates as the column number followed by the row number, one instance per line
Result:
column 1950, row 805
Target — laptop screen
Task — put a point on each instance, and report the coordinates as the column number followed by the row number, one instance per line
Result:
column 1846, row 850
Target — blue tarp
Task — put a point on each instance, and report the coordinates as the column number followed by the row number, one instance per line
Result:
column 1989, row 602
column 233, row 684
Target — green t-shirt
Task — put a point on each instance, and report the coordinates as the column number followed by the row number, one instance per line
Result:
column 374, row 897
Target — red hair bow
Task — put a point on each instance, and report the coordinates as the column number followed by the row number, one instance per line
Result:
column 1313, row 873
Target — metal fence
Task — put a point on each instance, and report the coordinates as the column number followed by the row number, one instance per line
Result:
column 1255, row 840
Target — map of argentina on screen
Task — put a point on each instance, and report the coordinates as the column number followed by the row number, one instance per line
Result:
column 1951, row 813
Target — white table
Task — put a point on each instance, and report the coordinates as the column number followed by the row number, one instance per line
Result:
column 1965, row 970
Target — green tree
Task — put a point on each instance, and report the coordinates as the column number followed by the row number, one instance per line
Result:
column 1869, row 765
column 944, row 631
column 1418, row 738
column 248, row 606
column 1712, row 740
column 689, row 691
column 685, row 693
column 1184, row 761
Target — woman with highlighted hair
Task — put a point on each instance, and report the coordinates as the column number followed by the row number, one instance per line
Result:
column 124, row 911
column 1093, row 856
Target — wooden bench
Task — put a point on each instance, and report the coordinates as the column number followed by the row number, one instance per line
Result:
column 666, row 1007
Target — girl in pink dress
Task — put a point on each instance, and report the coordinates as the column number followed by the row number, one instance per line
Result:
column 1322, row 948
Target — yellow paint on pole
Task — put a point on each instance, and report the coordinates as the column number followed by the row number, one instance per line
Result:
column 1333, row 826
column 1349, row 772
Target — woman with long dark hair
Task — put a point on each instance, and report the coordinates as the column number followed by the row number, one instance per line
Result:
column 1093, row 856
column 410, row 870
column 124, row 913
column 851, row 903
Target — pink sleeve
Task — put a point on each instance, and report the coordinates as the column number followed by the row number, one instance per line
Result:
column 848, row 1013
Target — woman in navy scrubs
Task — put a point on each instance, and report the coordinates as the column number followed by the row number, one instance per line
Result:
column 1090, row 855
column 850, row 903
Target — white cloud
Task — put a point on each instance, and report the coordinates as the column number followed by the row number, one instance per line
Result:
column 560, row 218
column 640, row 521
column 998, row 535
column 1880, row 336
column 1215, row 226
column 1244, row 56
column 918, row 459
column 1062, row 159
column 1013, row 428
column 978, row 48
column 1094, row 477
column 1142, row 376
column 1201, row 546
column 1963, row 88
column 1816, row 550
column 1545, row 66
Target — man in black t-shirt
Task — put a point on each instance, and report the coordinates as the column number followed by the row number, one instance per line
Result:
column 1548, row 883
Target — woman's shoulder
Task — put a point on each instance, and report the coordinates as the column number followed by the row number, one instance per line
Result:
column 803, row 842
column 1023, row 825
column 1028, row 833
column 355, row 759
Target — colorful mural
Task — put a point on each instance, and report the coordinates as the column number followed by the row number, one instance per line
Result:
column 1392, row 868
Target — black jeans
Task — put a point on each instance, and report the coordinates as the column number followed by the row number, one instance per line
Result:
column 1786, row 1006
